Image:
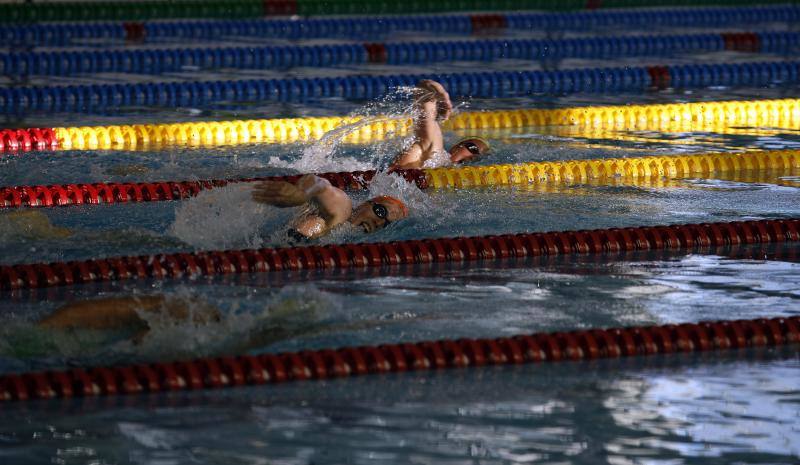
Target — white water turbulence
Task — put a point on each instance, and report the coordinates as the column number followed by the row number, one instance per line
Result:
column 226, row 218
column 325, row 155
column 294, row 311
column 418, row 202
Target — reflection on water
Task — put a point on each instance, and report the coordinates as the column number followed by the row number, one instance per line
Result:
column 731, row 408
column 700, row 409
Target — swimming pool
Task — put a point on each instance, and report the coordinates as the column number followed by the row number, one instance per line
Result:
column 715, row 407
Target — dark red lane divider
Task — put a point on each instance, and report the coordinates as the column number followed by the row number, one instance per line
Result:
column 223, row 372
column 110, row 192
column 741, row 41
column 486, row 23
column 459, row 249
column 594, row 4
column 134, row 31
column 785, row 252
column 376, row 52
column 659, row 75
column 280, row 7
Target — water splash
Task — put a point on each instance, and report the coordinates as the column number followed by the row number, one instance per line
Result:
column 290, row 312
column 327, row 154
column 418, row 202
column 182, row 326
column 225, row 218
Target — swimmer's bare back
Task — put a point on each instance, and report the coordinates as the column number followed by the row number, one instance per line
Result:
column 332, row 206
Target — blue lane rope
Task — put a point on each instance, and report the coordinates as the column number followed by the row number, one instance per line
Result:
column 97, row 98
column 155, row 61
column 62, row 34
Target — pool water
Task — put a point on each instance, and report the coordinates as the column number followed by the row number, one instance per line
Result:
column 738, row 407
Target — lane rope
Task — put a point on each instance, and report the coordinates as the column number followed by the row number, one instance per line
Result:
column 564, row 171
column 157, row 61
column 101, row 98
column 407, row 252
column 781, row 113
column 563, row 346
column 62, row 34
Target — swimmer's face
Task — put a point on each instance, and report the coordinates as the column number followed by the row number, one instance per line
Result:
column 373, row 215
column 467, row 149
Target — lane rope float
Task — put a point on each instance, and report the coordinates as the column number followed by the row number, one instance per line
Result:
column 564, row 171
column 164, row 60
column 100, row 98
column 783, row 252
column 781, row 113
column 407, row 252
column 62, row 34
column 563, row 346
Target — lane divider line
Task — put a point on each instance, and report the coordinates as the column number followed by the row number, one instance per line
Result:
column 780, row 113
column 167, row 60
column 243, row 370
column 407, row 252
column 567, row 171
column 102, row 98
column 63, row 34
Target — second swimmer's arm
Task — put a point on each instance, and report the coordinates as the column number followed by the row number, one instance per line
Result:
column 433, row 104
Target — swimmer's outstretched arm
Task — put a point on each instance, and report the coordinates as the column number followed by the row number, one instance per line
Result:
column 334, row 204
column 433, row 105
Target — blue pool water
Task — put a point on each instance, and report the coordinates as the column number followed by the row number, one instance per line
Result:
column 738, row 407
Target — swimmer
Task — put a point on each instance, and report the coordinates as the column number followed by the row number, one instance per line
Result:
column 327, row 207
column 124, row 313
column 434, row 107
column 94, row 326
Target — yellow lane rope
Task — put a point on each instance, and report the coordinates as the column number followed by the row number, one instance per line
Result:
column 784, row 113
column 787, row 178
column 641, row 140
column 583, row 171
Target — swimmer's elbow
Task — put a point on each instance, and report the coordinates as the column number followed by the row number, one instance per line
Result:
column 411, row 159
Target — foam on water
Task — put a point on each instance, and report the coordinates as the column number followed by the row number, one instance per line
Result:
column 225, row 218
column 290, row 312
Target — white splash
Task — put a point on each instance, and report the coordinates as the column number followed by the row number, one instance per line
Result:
column 291, row 311
column 325, row 154
column 225, row 218
column 395, row 186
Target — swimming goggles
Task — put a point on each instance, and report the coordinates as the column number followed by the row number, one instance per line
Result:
column 381, row 212
column 472, row 147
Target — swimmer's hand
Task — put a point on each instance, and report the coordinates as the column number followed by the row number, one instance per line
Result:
column 431, row 90
column 279, row 194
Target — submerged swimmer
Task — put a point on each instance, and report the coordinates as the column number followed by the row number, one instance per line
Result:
column 149, row 323
column 433, row 107
column 87, row 327
column 120, row 313
column 327, row 207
